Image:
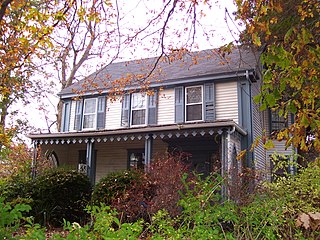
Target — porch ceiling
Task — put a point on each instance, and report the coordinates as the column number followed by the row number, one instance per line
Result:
column 163, row 131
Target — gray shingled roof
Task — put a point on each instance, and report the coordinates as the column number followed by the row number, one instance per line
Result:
column 189, row 66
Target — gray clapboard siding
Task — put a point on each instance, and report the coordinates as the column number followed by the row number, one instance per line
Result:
column 259, row 125
column 226, row 101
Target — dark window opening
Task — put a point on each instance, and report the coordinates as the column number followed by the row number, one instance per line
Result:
column 277, row 122
column 136, row 159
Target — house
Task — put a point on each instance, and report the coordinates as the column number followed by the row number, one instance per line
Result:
column 128, row 113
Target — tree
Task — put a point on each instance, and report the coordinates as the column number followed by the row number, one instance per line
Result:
column 24, row 29
column 288, row 31
column 99, row 30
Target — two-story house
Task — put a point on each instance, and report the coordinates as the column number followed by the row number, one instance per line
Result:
column 199, row 103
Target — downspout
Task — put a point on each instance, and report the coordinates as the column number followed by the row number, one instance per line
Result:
column 250, row 137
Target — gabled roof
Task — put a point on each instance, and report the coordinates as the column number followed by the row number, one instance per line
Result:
column 167, row 70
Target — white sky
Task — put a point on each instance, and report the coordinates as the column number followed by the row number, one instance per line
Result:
column 214, row 25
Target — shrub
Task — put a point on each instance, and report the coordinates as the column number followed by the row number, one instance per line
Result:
column 157, row 189
column 301, row 195
column 114, row 185
column 17, row 190
column 10, row 217
column 60, row 194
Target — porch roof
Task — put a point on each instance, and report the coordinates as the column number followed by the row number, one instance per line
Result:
column 161, row 131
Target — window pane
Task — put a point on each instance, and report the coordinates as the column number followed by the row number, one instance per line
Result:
column 277, row 122
column 90, row 106
column 138, row 101
column 89, row 121
column 194, row 112
column 138, row 117
column 194, row 95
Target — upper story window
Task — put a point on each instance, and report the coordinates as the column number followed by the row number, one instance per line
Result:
column 194, row 103
column 139, row 109
column 90, row 114
column 65, row 119
column 277, row 122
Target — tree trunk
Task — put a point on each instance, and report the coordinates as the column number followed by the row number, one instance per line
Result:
column 59, row 115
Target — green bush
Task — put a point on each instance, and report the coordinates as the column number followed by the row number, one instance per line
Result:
column 114, row 185
column 15, row 187
column 10, row 217
column 60, row 194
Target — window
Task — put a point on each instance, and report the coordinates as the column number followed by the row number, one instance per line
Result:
column 194, row 104
column 136, row 159
column 90, row 113
column 277, row 122
column 138, row 109
column 65, row 119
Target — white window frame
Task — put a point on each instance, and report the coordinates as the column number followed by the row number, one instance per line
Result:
column 136, row 109
column 190, row 104
column 86, row 114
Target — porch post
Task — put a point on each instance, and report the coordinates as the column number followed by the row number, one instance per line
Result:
column 34, row 159
column 224, row 159
column 148, row 151
column 90, row 161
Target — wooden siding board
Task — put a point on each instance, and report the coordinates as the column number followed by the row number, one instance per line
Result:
column 226, row 101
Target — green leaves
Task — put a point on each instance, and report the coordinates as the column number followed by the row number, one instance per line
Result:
column 291, row 75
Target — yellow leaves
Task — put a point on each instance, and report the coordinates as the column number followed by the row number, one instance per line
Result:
column 256, row 39
column 268, row 144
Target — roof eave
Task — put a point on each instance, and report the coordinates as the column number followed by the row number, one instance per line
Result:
column 172, row 82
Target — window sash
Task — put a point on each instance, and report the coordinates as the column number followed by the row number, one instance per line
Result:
column 138, row 109
column 277, row 122
column 90, row 113
column 194, row 104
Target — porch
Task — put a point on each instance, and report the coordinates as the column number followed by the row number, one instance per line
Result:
column 211, row 146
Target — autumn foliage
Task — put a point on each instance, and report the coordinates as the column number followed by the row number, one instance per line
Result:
column 288, row 32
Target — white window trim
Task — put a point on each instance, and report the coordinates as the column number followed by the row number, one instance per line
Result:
column 186, row 104
column 95, row 114
column 146, row 110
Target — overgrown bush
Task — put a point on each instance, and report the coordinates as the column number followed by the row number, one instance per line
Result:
column 114, row 185
column 157, row 189
column 60, row 194
column 301, row 196
column 10, row 217
column 16, row 189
